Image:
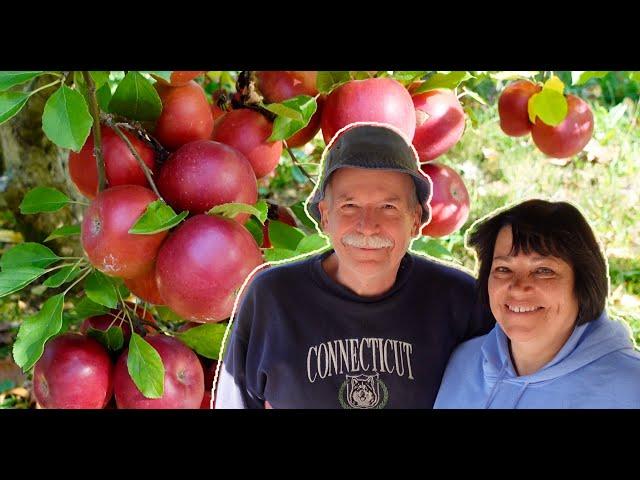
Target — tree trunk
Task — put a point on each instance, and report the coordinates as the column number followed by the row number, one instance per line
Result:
column 29, row 159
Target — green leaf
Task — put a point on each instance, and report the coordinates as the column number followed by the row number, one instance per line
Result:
column 28, row 254
column 101, row 289
column 554, row 83
column 512, row 75
column 284, row 236
column 145, row 367
column 277, row 254
column 136, row 98
column 230, row 210
column 164, row 75
column 255, row 229
column 66, row 119
column 11, row 79
column 88, row 308
column 15, row 279
column 36, row 330
column 301, row 215
column 474, row 95
column 635, row 76
column 158, row 217
column 580, row 78
column 11, row 103
column 66, row 231
column 431, row 247
column 282, row 110
column 443, row 80
column 64, row 275
column 168, row 315
column 43, row 199
column 311, row 243
column 99, row 78
column 406, row 78
column 327, row 81
column 206, row 339
column 103, row 95
column 359, row 75
column 284, row 127
column 112, row 339
column 548, row 104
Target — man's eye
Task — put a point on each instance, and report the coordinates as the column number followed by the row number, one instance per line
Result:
column 349, row 205
column 389, row 206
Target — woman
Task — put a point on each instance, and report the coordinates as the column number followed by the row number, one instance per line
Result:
column 545, row 280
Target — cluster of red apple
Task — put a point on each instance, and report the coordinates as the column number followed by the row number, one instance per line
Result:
column 560, row 141
column 434, row 120
column 76, row 371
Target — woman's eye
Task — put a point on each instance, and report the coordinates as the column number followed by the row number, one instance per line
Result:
column 501, row 270
column 544, row 271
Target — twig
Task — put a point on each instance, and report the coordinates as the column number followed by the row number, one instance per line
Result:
column 97, row 136
column 297, row 164
column 145, row 168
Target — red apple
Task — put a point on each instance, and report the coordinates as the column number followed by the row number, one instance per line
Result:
column 203, row 174
column 441, row 127
column 178, row 78
column 203, row 264
column 121, row 167
column 282, row 215
column 382, row 100
column 102, row 322
column 513, row 107
column 73, row 372
column 145, row 287
column 278, row 86
column 450, row 201
column 247, row 131
column 186, row 115
column 568, row 138
column 183, row 378
column 105, row 233
column 209, row 377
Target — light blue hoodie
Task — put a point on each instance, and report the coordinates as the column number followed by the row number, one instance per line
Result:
column 597, row 367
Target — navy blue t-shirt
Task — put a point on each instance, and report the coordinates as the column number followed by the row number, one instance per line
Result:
column 301, row 340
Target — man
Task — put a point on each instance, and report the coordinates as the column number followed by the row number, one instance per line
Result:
column 367, row 324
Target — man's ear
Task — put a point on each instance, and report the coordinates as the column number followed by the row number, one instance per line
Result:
column 323, row 207
column 417, row 220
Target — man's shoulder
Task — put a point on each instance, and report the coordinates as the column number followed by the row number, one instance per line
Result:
column 440, row 270
column 273, row 275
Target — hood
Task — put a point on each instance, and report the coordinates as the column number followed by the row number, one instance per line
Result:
column 587, row 343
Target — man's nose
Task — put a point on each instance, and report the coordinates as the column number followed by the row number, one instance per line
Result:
column 368, row 222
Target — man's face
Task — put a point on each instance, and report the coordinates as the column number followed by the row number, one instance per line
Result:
column 370, row 216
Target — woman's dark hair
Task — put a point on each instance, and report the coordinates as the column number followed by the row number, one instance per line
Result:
column 548, row 228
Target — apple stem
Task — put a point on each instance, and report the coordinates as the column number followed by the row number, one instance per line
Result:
column 298, row 164
column 133, row 319
column 143, row 166
column 97, row 136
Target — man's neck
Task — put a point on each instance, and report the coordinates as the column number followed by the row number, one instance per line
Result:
column 362, row 286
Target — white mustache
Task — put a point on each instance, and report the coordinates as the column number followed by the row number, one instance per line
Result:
column 366, row 241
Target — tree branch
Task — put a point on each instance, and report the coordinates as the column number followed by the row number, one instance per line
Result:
column 297, row 164
column 97, row 136
column 145, row 168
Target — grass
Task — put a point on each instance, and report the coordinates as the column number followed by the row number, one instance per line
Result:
column 601, row 181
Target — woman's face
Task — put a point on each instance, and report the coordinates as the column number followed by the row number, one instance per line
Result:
column 531, row 296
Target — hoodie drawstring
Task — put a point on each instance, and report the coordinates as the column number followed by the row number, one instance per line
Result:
column 494, row 390
column 524, row 387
